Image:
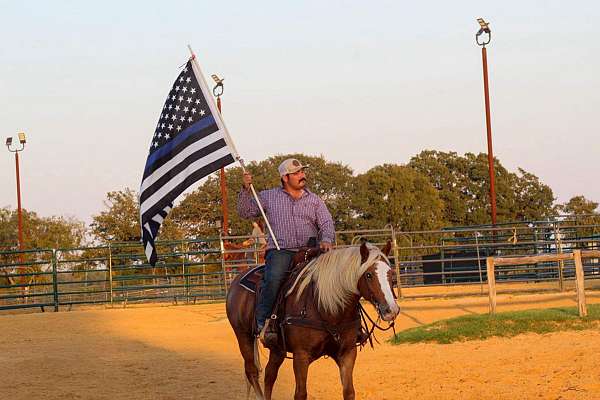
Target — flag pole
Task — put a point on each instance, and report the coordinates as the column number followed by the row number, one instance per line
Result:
column 221, row 125
column 222, row 182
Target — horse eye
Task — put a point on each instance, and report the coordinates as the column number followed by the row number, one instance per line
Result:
column 369, row 276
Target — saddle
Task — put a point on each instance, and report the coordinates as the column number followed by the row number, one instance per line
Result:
column 252, row 278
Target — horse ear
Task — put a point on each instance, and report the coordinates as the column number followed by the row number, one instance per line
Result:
column 387, row 248
column 364, row 252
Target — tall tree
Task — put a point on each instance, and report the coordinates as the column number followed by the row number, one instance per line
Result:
column 120, row 220
column 585, row 212
column 40, row 232
column 463, row 184
column 579, row 205
column 533, row 199
column 397, row 195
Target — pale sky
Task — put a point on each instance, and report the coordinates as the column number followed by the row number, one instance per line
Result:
column 362, row 83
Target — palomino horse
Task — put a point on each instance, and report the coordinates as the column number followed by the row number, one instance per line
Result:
column 320, row 315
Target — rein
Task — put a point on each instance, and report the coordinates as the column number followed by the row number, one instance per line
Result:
column 364, row 316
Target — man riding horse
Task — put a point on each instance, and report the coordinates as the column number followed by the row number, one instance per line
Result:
column 295, row 215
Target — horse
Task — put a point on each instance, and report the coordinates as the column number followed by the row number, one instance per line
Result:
column 238, row 254
column 320, row 315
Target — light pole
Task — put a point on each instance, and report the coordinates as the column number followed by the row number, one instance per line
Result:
column 16, row 150
column 217, row 92
column 483, row 40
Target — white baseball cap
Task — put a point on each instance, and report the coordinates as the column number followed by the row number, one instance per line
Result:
column 290, row 166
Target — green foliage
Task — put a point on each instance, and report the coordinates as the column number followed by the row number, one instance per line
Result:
column 463, row 183
column 585, row 213
column 508, row 324
column 435, row 189
column 397, row 195
column 120, row 221
column 533, row 199
column 39, row 232
column 579, row 205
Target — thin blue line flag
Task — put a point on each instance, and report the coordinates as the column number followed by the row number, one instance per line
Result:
column 189, row 143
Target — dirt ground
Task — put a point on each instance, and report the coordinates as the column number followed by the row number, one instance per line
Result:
column 189, row 352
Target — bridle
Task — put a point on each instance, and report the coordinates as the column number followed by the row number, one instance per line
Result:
column 364, row 316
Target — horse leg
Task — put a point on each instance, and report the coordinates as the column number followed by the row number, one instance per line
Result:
column 301, row 363
column 275, row 360
column 246, row 344
column 345, row 362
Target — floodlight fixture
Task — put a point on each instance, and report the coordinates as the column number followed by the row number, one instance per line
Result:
column 10, row 143
column 484, row 27
column 218, row 89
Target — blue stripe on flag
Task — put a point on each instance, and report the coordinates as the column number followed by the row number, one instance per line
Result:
column 181, row 137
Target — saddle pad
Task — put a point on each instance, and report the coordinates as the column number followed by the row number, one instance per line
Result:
column 249, row 280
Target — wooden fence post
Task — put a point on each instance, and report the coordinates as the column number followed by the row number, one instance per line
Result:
column 580, row 284
column 491, row 284
column 397, row 262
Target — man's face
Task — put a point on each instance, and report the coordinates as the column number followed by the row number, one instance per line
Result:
column 296, row 181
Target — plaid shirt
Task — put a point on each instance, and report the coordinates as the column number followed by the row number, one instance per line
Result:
column 293, row 221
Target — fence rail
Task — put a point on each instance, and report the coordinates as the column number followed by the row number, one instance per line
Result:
column 577, row 256
column 201, row 270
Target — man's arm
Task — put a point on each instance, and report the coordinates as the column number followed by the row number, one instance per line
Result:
column 326, row 226
column 247, row 207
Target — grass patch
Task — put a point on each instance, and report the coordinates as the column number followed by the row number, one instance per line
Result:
column 507, row 324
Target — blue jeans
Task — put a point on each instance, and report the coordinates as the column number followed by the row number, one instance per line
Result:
column 276, row 267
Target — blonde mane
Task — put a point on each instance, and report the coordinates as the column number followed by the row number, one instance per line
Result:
column 335, row 275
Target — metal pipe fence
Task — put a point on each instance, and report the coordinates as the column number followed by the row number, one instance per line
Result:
column 188, row 271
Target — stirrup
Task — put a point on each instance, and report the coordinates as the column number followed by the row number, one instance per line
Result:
column 267, row 337
column 261, row 334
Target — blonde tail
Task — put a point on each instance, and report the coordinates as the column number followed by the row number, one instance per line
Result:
column 257, row 356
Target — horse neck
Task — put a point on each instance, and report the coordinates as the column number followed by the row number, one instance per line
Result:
column 348, row 313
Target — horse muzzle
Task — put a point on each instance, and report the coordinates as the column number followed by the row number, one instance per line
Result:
column 388, row 313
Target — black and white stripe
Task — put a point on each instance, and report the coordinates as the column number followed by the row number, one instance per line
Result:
column 189, row 143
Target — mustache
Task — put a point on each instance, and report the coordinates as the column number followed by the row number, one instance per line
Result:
column 302, row 180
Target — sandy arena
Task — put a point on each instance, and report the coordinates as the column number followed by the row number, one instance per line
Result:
column 189, row 352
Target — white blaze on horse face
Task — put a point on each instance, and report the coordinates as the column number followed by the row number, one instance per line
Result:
column 382, row 270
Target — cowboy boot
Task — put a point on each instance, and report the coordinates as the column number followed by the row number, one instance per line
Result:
column 268, row 336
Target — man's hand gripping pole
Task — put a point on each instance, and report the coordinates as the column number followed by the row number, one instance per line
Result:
column 262, row 211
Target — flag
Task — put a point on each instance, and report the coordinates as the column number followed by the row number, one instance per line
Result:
column 189, row 143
